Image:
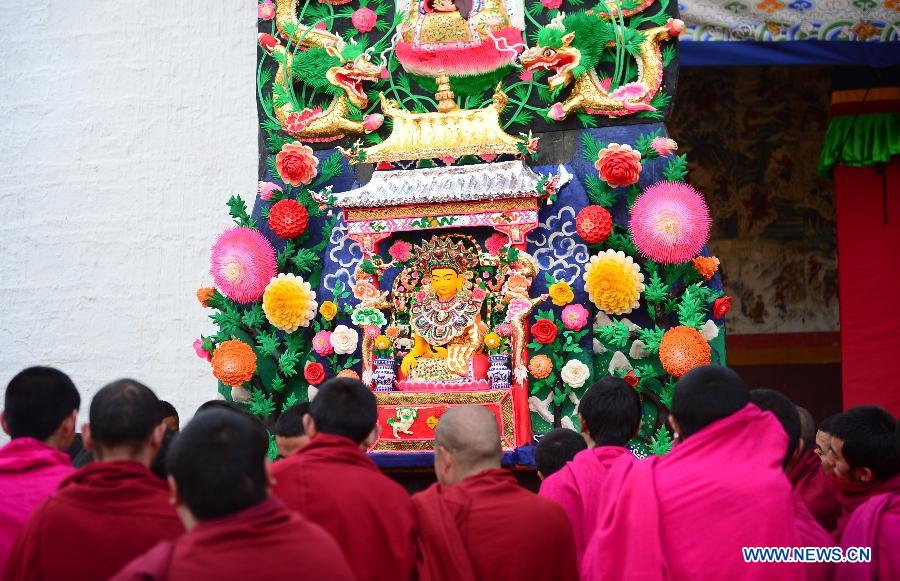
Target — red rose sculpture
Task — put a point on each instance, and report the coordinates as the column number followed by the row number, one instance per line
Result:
column 296, row 163
column 364, row 19
column 594, row 224
column 631, row 379
column 619, row 165
column 288, row 219
column 314, row 373
column 544, row 331
column 721, row 306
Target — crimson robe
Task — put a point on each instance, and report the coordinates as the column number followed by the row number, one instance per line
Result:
column 30, row 471
column 102, row 516
column 489, row 527
column 813, row 486
column 875, row 524
column 334, row 484
column 579, row 487
column 853, row 494
column 265, row 541
column 688, row 514
column 811, row 534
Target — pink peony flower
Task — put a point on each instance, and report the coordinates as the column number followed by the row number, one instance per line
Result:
column 364, row 19
column 267, row 190
column 619, row 165
column 496, row 242
column 663, row 146
column 478, row 293
column 551, row 4
column 670, row 222
column 505, row 330
column 574, row 317
column 400, row 251
column 322, row 344
column 242, row 263
column 200, row 351
column 296, row 163
column 516, row 308
column 266, row 10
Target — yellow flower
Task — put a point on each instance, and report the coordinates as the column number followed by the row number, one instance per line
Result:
column 614, row 282
column 289, row 302
column 382, row 342
column 328, row 310
column 561, row 293
column 492, row 340
column 431, row 422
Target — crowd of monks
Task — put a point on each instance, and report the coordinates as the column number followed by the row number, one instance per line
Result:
column 152, row 502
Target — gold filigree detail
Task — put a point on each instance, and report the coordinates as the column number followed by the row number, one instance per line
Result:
column 359, row 215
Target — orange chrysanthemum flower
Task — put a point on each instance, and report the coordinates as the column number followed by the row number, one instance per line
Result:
column 682, row 349
column 540, row 366
column 204, row 294
column 706, row 266
column 234, row 362
column 348, row 373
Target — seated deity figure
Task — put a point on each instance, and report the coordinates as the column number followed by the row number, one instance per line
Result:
column 445, row 316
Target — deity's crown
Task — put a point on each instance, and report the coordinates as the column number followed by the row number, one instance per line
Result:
column 442, row 252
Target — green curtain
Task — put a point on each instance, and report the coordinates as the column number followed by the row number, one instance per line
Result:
column 860, row 141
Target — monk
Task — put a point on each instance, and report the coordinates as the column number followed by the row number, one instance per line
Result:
column 809, row 480
column 289, row 433
column 476, row 522
column 40, row 411
column 866, row 462
column 235, row 529
column 875, row 524
column 555, row 448
column 333, row 483
column 687, row 515
column 823, row 444
column 610, row 415
column 113, row 509
column 809, row 530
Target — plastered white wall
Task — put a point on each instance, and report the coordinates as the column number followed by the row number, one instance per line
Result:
column 124, row 127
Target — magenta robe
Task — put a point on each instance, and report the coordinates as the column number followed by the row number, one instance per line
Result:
column 687, row 515
column 813, row 486
column 875, row 524
column 579, row 488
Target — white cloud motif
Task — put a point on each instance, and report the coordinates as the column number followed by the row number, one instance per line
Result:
column 561, row 254
column 345, row 252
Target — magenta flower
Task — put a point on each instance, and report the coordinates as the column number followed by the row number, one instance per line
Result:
column 266, row 10
column 322, row 344
column 242, row 263
column 670, row 222
column 267, row 190
column 663, row 146
column 574, row 317
column 495, row 243
column 400, row 251
column 364, row 19
column 200, row 351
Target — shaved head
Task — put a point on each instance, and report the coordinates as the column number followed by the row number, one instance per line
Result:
column 469, row 435
column 807, row 429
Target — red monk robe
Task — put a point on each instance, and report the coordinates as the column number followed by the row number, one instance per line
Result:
column 489, row 527
column 853, row 494
column 812, row 535
column 875, row 524
column 813, row 486
column 579, row 487
column 334, row 484
column 721, row 489
column 102, row 516
column 266, row 541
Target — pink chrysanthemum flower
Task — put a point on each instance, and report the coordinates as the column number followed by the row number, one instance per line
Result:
column 241, row 263
column 670, row 222
column 400, row 251
column 495, row 243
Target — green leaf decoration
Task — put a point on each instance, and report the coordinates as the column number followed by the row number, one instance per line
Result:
column 692, row 308
column 676, row 169
column 254, row 316
column 272, row 452
column 295, row 341
column 661, row 442
column 587, row 120
column 282, row 258
column 267, row 343
column 329, row 169
column 278, row 384
column 651, row 338
column 668, row 55
column 656, row 291
column 668, row 393
column 228, row 320
column 660, row 102
column 591, row 147
column 287, row 363
column 616, row 335
column 621, row 241
column 237, row 208
column 599, row 191
column 643, row 144
column 304, row 260
column 260, row 404
column 289, row 402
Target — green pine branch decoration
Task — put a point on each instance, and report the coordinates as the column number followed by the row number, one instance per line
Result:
column 260, row 404
column 656, row 291
column 590, row 147
column 651, row 338
column 599, row 191
column 644, row 142
column 289, row 402
column 676, row 170
column 267, row 343
column 661, row 443
column 616, row 335
column 254, row 316
column 692, row 308
column 237, row 209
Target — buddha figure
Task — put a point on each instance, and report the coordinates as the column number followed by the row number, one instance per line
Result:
column 445, row 316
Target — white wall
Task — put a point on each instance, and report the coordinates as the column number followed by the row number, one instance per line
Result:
column 124, row 127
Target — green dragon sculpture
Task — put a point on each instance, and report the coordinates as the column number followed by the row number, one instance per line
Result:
column 572, row 46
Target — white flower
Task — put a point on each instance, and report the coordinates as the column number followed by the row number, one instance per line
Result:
column 575, row 373
column 344, row 339
column 709, row 330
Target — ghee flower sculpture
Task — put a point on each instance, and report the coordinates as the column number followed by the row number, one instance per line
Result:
column 670, row 222
column 574, row 317
column 344, row 340
column 614, row 282
column 619, row 165
column 328, row 310
column 322, row 343
column 288, row 219
column 204, row 294
column 593, row 224
column 289, row 302
column 682, row 349
column 706, row 266
column 561, row 293
column 242, row 262
column 296, row 163
column 233, row 362
column 575, row 373
column 540, row 366
column 400, row 251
